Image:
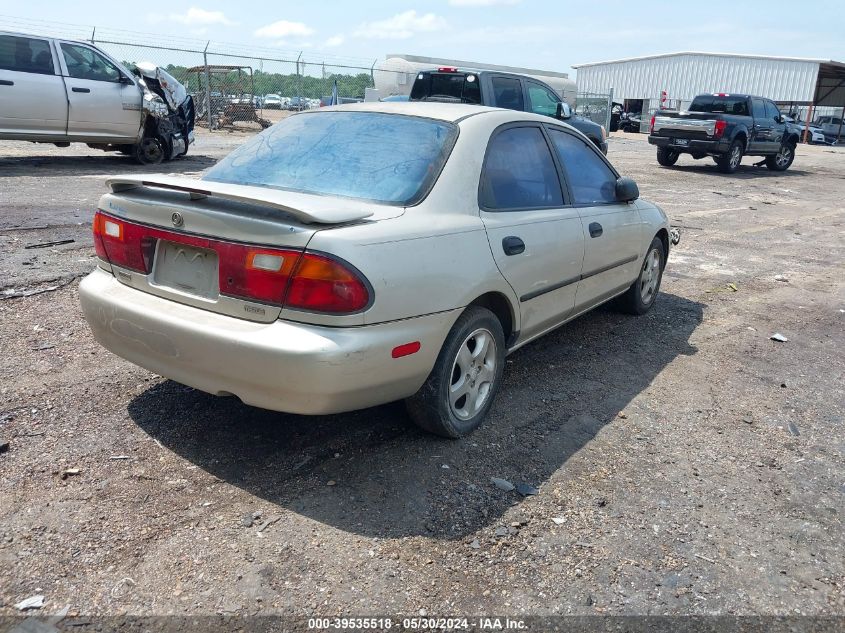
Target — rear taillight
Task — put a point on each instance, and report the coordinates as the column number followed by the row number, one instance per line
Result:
column 324, row 284
column 122, row 243
column 651, row 125
column 719, row 129
column 447, row 69
column 278, row 276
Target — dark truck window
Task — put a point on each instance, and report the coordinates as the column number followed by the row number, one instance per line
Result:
column 542, row 100
column 25, row 55
column 720, row 105
column 387, row 158
column 458, row 87
column 507, row 93
column 758, row 108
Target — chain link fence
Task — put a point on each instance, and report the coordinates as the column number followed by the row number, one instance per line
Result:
column 596, row 107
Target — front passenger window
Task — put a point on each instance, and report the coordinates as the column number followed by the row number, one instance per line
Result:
column 590, row 179
column 85, row 63
column 542, row 101
column 519, row 172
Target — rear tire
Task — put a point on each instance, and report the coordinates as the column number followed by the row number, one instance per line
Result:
column 729, row 163
column 640, row 297
column 667, row 157
column 467, row 374
column 783, row 159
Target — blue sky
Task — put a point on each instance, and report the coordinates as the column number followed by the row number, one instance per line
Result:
column 532, row 33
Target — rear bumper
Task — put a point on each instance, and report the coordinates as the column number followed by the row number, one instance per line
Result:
column 695, row 145
column 284, row 366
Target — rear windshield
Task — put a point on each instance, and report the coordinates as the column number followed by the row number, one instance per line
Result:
column 724, row 105
column 386, row 158
column 458, row 87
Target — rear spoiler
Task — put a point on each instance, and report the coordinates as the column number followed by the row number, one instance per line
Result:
column 305, row 207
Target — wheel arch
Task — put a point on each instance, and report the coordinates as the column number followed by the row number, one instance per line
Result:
column 663, row 234
column 501, row 307
column 742, row 135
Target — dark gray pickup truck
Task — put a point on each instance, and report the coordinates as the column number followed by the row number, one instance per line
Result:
column 502, row 90
column 726, row 127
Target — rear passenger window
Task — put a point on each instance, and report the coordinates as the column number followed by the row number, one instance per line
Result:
column 519, row 172
column 590, row 179
column 25, row 55
column 507, row 93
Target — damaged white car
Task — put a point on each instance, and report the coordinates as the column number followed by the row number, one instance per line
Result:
column 62, row 92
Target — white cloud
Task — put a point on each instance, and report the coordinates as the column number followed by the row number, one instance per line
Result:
column 283, row 28
column 482, row 3
column 337, row 40
column 197, row 17
column 401, row 26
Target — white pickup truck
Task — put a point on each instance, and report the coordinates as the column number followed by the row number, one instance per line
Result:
column 62, row 92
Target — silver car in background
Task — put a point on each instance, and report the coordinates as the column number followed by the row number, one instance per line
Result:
column 355, row 255
column 62, row 92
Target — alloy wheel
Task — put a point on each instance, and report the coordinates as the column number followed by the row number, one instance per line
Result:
column 649, row 276
column 473, row 373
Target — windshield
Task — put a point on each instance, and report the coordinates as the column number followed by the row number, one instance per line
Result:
column 717, row 104
column 387, row 158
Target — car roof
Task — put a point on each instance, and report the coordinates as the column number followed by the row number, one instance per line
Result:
column 451, row 112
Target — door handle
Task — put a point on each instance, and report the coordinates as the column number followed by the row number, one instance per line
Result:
column 512, row 245
column 6, row 82
column 595, row 229
column 81, row 89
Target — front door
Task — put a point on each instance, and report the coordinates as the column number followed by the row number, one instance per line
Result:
column 32, row 94
column 536, row 240
column 761, row 131
column 612, row 230
column 104, row 102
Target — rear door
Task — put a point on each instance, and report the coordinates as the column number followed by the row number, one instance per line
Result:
column 612, row 231
column 535, row 238
column 32, row 94
column 104, row 102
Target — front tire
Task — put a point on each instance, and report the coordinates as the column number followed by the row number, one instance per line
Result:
column 150, row 151
column 467, row 374
column 640, row 297
column 667, row 157
column 783, row 159
column 729, row 163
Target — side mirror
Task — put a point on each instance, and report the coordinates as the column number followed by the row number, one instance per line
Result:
column 564, row 110
column 126, row 80
column 626, row 190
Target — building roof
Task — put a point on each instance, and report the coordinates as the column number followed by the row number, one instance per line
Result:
column 439, row 61
column 701, row 53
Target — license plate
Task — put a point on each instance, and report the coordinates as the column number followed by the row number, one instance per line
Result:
column 681, row 142
column 186, row 269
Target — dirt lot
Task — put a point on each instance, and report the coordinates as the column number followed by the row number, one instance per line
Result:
column 686, row 463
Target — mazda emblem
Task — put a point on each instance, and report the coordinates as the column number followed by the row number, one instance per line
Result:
column 177, row 219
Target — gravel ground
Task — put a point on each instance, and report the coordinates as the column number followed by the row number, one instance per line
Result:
column 685, row 462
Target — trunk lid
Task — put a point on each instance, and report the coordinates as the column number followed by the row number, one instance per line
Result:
column 190, row 222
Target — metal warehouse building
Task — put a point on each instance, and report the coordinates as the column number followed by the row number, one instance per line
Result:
column 798, row 85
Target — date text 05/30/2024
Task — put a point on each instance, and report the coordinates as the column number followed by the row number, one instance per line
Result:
column 416, row 624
